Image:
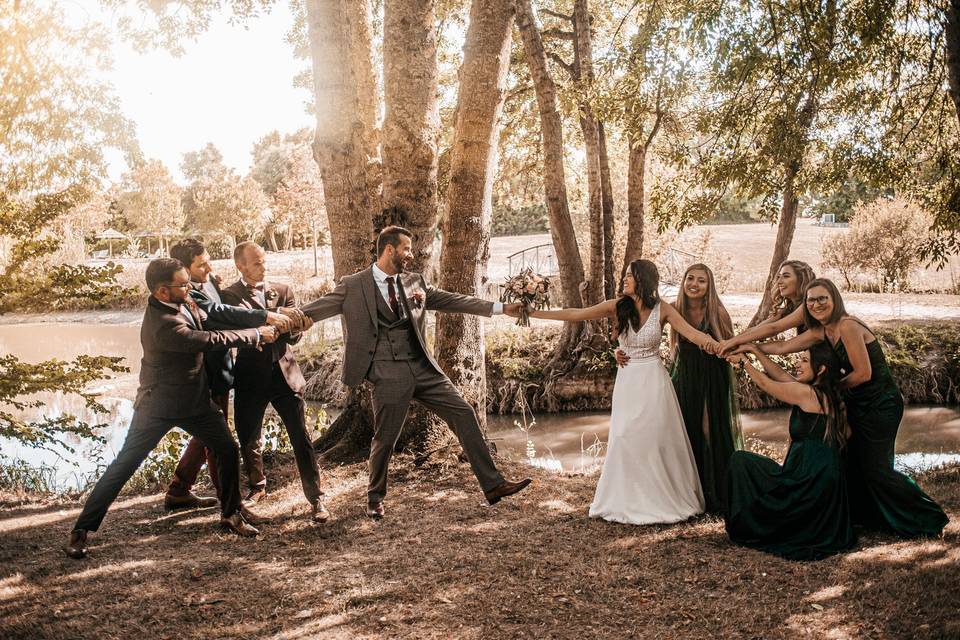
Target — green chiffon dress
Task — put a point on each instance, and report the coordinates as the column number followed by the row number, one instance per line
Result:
column 705, row 383
column 798, row 510
column 880, row 497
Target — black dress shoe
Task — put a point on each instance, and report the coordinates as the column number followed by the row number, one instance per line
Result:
column 239, row 525
column 375, row 510
column 77, row 547
column 319, row 512
column 251, row 517
column 255, row 496
column 189, row 501
column 504, row 489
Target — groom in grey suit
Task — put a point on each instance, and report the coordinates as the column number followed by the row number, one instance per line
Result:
column 385, row 312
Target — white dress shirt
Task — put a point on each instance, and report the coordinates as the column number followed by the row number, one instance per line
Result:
column 258, row 293
column 380, row 278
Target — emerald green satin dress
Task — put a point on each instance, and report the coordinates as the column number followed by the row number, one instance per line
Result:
column 880, row 497
column 798, row 510
column 706, row 383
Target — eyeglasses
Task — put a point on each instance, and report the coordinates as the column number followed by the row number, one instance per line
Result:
column 185, row 285
column 818, row 300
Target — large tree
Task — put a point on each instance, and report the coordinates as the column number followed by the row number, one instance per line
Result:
column 346, row 148
column 152, row 201
column 473, row 161
column 411, row 125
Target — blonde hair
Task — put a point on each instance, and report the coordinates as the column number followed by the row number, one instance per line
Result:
column 805, row 275
column 718, row 324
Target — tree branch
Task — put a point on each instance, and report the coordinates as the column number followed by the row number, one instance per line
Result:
column 557, row 14
column 557, row 33
column 571, row 69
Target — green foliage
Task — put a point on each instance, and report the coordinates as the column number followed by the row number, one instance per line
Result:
column 519, row 355
column 56, row 121
column 517, row 221
column 842, row 201
column 19, row 381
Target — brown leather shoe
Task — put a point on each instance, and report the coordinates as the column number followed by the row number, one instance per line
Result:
column 319, row 512
column 239, row 525
column 189, row 501
column 375, row 510
column 251, row 517
column 255, row 496
column 77, row 547
column 504, row 489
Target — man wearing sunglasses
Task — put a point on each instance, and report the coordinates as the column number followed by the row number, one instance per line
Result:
column 174, row 392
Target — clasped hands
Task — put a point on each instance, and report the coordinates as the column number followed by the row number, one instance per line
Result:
column 283, row 320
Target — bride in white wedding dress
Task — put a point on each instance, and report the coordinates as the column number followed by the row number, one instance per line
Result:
column 649, row 474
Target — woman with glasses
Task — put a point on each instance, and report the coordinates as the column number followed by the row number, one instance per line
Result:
column 880, row 497
column 793, row 277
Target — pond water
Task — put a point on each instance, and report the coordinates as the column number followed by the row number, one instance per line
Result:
column 562, row 442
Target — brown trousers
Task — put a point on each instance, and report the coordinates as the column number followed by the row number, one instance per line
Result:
column 196, row 453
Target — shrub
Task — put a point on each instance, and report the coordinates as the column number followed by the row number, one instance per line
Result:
column 507, row 221
column 885, row 238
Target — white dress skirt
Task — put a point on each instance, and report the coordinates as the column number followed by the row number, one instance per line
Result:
column 649, row 475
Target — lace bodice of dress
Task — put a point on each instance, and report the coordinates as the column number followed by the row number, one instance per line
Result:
column 643, row 344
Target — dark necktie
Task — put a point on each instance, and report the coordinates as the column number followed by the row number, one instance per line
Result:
column 392, row 291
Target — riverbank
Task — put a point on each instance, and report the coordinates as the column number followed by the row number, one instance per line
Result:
column 441, row 565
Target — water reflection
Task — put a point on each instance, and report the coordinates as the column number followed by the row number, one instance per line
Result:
column 560, row 442
column 572, row 443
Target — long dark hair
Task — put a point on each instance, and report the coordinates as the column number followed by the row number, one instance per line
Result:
column 646, row 280
column 718, row 324
column 783, row 307
column 839, row 310
column 826, row 384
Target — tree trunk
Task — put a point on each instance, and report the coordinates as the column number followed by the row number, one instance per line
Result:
column 473, row 164
column 951, row 29
column 411, row 125
column 551, row 134
column 635, row 194
column 583, row 67
column 270, row 231
column 606, row 189
column 781, row 248
column 346, row 150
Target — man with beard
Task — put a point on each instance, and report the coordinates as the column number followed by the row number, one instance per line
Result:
column 205, row 291
column 174, row 392
column 385, row 312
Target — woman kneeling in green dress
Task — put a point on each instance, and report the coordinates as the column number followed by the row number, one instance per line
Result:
column 881, row 498
column 798, row 510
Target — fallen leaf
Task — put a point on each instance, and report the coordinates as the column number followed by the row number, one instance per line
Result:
column 818, row 607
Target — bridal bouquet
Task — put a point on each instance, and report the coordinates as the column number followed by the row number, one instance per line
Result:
column 530, row 290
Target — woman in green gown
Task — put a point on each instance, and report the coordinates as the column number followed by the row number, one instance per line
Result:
column 798, row 510
column 706, row 386
column 880, row 497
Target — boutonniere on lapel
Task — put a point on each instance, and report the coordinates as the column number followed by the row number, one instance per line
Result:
column 271, row 295
column 416, row 299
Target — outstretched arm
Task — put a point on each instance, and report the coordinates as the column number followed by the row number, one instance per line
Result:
column 605, row 309
column 326, row 306
column 771, row 368
column 802, row 342
column 669, row 313
column 795, row 393
column 764, row 330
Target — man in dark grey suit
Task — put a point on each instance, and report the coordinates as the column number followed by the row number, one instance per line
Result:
column 174, row 392
column 385, row 312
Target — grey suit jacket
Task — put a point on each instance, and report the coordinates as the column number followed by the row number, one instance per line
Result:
column 173, row 381
column 355, row 298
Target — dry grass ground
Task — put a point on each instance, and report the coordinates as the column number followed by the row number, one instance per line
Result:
column 441, row 565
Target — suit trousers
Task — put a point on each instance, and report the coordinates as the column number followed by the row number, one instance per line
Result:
column 196, row 453
column 145, row 432
column 395, row 384
column 249, row 406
